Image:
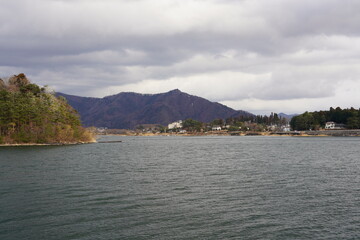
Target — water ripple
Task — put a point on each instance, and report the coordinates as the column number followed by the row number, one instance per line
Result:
column 183, row 188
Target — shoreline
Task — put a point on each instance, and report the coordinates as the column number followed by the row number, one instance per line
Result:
column 319, row 133
column 42, row 144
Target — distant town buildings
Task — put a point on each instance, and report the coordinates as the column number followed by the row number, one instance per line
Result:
column 180, row 125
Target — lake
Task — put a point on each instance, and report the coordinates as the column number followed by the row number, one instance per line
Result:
column 250, row 187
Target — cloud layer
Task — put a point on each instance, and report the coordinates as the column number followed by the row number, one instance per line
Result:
column 258, row 55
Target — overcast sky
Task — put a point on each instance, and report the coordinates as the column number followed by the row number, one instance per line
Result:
column 257, row 55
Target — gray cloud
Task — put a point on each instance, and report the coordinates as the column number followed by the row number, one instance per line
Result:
column 246, row 54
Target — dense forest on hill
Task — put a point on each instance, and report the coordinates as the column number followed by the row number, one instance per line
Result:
column 272, row 119
column 31, row 114
column 316, row 120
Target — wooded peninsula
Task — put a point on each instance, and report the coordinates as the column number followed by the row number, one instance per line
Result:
column 30, row 114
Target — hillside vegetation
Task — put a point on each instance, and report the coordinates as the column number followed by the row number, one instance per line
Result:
column 316, row 120
column 30, row 114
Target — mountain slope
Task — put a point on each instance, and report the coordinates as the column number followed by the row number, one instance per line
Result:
column 127, row 110
column 287, row 116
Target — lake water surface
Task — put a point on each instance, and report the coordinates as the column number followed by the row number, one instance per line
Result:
column 183, row 188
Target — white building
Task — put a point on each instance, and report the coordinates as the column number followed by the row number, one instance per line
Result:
column 333, row 125
column 285, row 128
column 173, row 125
column 330, row 125
column 216, row 128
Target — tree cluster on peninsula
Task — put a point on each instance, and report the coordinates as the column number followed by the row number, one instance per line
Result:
column 31, row 114
column 316, row 120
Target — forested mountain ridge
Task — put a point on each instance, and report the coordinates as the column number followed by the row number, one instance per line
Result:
column 127, row 110
column 30, row 114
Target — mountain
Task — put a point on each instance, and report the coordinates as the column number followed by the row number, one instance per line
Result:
column 127, row 110
column 287, row 116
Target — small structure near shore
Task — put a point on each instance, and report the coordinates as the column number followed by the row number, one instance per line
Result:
column 216, row 128
column 334, row 126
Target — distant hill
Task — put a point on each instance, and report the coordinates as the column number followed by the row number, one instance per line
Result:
column 127, row 110
column 287, row 116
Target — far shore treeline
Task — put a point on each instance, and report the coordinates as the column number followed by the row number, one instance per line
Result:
column 346, row 118
column 350, row 118
column 32, row 114
column 253, row 123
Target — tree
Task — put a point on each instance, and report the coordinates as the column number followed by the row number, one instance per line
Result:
column 2, row 85
column 217, row 122
column 353, row 122
column 29, row 115
column 192, row 125
column 305, row 121
column 316, row 120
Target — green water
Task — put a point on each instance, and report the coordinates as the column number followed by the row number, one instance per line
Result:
column 183, row 188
